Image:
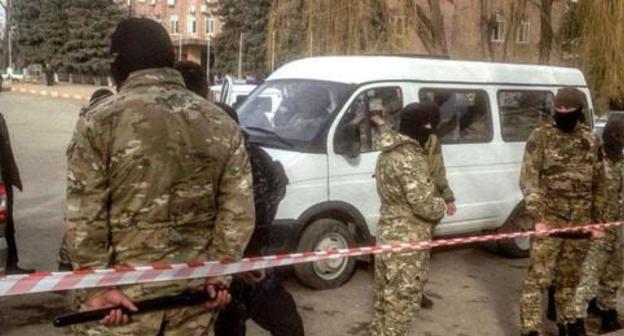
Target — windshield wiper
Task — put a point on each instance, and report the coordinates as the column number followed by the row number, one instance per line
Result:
column 269, row 132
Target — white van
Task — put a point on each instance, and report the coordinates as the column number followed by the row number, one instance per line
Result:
column 488, row 110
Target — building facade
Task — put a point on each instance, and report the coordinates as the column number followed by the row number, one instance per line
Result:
column 192, row 24
column 492, row 30
column 486, row 30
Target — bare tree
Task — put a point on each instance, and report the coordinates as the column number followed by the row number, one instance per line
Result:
column 546, row 30
column 429, row 25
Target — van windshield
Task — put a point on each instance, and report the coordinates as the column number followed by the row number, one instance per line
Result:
column 292, row 114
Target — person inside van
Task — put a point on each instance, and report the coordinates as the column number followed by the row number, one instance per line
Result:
column 310, row 114
column 473, row 124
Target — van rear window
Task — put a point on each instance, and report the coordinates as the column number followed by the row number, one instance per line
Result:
column 464, row 114
column 523, row 111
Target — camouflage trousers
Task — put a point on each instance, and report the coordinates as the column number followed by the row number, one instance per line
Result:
column 553, row 261
column 399, row 282
column 602, row 273
column 192, row 321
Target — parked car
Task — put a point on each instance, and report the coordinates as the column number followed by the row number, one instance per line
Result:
column 488, row 111
column 233, row 92
column 12, row 74
column 3, row 217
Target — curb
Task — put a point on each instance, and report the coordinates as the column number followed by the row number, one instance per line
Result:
column 46, row 93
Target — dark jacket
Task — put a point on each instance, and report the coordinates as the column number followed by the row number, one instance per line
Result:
column 269, row 186
column 8, row 167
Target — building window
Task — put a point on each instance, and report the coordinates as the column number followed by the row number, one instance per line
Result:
column 498, row 28
column 174, row 28
column 524, row 30
column 191, row 23
column 210, row 25
column 398, row 24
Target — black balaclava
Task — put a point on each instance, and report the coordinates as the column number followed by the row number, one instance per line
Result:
column 414, row 118
column 568, row 99
column 613, row 138
column 139, row 44
column 194, row 76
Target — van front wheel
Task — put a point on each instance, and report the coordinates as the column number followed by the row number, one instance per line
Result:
column 321, row 235
column 517, row 247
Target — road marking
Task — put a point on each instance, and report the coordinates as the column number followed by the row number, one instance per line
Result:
column 46, row 93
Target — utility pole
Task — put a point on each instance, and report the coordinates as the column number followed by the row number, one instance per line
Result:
column 240, row 56
column 11, row 30
column 208, row 59
column 273, row 51
column 180, row 48
column 8, row 24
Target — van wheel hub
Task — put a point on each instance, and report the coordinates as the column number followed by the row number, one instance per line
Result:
column 331, row 269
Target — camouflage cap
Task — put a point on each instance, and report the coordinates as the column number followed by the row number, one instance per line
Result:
column 569, row 98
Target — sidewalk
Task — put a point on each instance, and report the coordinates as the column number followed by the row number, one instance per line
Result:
column 60, row 90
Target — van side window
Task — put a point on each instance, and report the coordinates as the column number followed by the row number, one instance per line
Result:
column 523, row 111
column 464, row 115
column 387, row 101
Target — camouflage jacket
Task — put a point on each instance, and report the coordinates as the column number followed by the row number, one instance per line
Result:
column 409, row 206
column 435, row 161
column 614, row 200
column 563, row 175
column 156, row 174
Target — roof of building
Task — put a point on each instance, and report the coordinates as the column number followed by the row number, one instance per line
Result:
column 364, row 69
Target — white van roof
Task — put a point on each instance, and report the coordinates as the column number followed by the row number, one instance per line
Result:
column 364, row 69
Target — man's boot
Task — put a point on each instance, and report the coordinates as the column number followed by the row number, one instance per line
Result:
column 426, row 302
column 532, row 333
column 551, row 313
column 13, row 269
column 609, row 321
column 563, row 329
column 577, row 328
column 593, row 309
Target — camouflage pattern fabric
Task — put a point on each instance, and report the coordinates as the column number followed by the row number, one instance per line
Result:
column 554, row 261
column 562, row 182
column 437, row 170
column 188, row 321
column 603, row 269
column 156, row 174
column 562, row 175
column 409, row 210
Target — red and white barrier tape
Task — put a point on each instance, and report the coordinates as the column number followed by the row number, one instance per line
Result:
column 126, row 275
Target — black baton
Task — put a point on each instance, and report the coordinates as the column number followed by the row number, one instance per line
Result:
column 166, row 302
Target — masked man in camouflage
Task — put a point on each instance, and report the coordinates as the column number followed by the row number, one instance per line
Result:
column 435, row 161
column 562, row 182
column 603, row 268
column 156, row 174
column 409, row 210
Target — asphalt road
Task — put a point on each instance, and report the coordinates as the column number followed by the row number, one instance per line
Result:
column 474, row 291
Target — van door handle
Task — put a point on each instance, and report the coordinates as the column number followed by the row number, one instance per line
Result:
column 374, row 176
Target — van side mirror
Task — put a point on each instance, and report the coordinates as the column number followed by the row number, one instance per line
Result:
column 348, row 141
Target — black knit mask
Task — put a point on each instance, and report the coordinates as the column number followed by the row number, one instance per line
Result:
column 613, row 138
column 139, row 44
column 567, row 122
